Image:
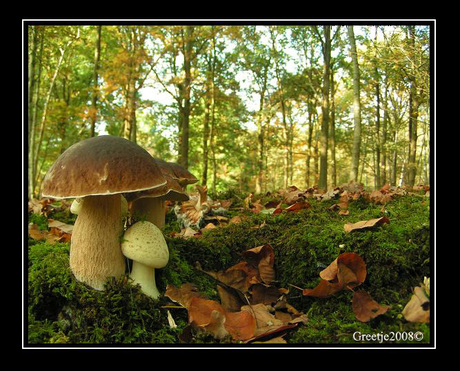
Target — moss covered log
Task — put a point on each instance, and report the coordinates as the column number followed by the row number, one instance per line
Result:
column 397, row 255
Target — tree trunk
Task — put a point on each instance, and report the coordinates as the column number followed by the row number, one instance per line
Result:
column 309, row 148
column 413, row 118
column 332, row 133
column 204, row 176
column 325, row 109
column 186, row 108
column 45, row 112
column 383, row 159
column 377, row 183
column 33, row 89
column 209, row 107
column 94, row 97
column 261, row 148
column 129, row 122
column 356, row 107
column 394, row 161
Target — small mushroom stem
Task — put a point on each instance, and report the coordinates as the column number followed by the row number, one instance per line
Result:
column 95, row 251
column 151, row 209
column 145, row 276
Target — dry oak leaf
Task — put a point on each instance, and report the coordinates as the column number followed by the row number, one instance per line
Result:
column 418, row 307
column 299, row 205
column 241, row 325
column 207, row 315
column 184, row 294
column 347, row 271
column 269, row 324
column 353, row 262
column 240, row 276
column 229, row 299
column 262, row 257
column 210, row 316
column 235, row 220
column 36, row 233
column 292, row 195
column 187, row 233
column 62, row 231
column 366, row 308
column 323, row 289
column 265, row 294
column 365, row 224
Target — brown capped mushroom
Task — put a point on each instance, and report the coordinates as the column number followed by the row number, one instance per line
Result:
column 150, row 204
column 183, row 176
column 98, row 170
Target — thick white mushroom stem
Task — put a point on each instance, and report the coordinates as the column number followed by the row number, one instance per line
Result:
column 145, row 276
column 95, row 251
column 151, row 209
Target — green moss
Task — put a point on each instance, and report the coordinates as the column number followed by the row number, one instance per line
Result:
column 397, row 255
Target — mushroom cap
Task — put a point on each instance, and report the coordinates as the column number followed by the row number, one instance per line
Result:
column 183, row 176
column 166, row 168
column 143, row 242
column 172, row 191
column 102, row 165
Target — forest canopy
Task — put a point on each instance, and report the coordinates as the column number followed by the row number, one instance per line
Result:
column 248, row 107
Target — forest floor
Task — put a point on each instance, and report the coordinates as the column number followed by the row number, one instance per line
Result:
column 290, row 268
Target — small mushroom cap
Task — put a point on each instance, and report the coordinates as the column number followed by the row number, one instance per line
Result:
column 102, row 165
column 172, row 191
column 143, row 242
column 183, row 176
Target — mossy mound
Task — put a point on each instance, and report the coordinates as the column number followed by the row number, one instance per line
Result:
column 397, row 255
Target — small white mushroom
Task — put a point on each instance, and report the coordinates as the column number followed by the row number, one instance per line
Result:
column 144, row 243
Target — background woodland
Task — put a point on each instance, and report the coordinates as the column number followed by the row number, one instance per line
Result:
column 250, row 108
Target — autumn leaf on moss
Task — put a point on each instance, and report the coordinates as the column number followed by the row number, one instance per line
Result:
column 292, row 195
column 299, row 205
column 268, row 324
column 210, row 316
column 262, row 257
column 347, row 271
column 240, row 325
column 365, row 224
column 323, row 289
column 35, row 233
column 256, row 268
column 61, row 230
column 184, row 294
column 229, row 299
column 240, row 276
column 418, row 307
column 366, row 308
column 265, row 294
column 58, row 232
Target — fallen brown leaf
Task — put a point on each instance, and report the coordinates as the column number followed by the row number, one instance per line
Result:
column 184, row 294
column 241, row 325
column 299, row 205
column 350, row 227
column 366, row 308
column 418, row 307
column 36, row 233
column 347, row 271
column 210, row 316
